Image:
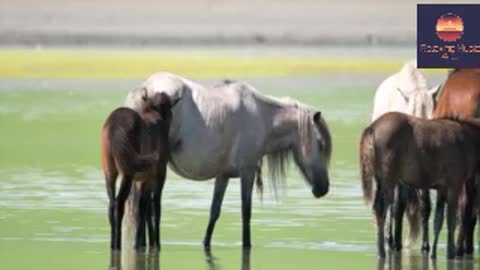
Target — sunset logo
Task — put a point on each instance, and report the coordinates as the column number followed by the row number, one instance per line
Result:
column 449, row 27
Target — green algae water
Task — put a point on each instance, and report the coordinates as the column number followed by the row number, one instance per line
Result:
column 53, row 204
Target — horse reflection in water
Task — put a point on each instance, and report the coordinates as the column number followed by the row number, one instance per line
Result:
column 212, row 261
column 417, row 262
column 133, row 260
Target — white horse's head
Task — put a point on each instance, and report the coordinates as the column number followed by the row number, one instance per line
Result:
column 419, row 103
column 313, row 151
column 412, row 86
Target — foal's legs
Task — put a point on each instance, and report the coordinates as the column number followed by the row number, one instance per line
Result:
column 110, row 180
column 111, row 174
column 426, row 208
column 451, row 221
column 472, row 219
column 380, row 209
column 438, row 222
column 122, row 196
column 143, row 202
column 154, row 221
column 398, row 211
column 465, row 235
column 221, row 184
column 247, row 178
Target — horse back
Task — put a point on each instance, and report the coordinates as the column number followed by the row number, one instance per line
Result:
column 460, row 95
column 120, row 139
column 424, row 153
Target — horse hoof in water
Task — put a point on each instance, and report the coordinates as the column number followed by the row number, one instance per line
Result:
column 425, row 249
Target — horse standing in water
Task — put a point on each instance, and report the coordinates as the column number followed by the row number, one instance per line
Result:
column 405, row 91
column 460, row 98
column 224, row 132
column 135, row 146
column 442, row 154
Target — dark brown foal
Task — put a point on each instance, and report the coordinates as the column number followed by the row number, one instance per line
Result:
column 135, row 146
column 440, row 154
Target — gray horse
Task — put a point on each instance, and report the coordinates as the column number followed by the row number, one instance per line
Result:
column 225, row 131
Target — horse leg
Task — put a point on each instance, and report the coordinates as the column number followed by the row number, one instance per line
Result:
column 156, row 202
column 426, row 208
column 438, row 222
column 110, row 181
column 399, row 209
column 380, row 209
column 390, row 222
column 465, row 235
column 221, row 184
column 149, row 219
column 247, row 178
column 122, row 196
column 472, row 219
column 141, row 217
column 451, row 221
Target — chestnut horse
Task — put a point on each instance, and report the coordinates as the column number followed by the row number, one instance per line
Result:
column 460, row 98
column 437, row 154
column 135, row 146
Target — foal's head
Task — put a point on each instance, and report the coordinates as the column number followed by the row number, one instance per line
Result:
column 159, row 106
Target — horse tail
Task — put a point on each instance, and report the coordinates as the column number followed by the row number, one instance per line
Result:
column 259, row 180
column 413, row 215
column 367, row 159
column 108, row 164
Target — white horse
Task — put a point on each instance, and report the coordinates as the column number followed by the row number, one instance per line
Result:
column 224, row 131
column 406, row 91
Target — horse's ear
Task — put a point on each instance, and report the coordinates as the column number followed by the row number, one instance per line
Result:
column 402, row 94
column 317, row 116
column 434, row 90
column 144, row 94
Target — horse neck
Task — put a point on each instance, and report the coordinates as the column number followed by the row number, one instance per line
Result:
column 283, row 127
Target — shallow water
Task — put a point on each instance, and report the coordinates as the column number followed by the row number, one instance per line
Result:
column 53, row 201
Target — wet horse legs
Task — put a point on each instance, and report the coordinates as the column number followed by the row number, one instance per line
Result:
column 119, row 208
column 380, row 209
column 398, row 213
column 426, row 209
column 247, row 178
column 468, row 218
column 452, row 221
column 438, row 222
column 221, row 184
column 156, row 209
column 142, row 213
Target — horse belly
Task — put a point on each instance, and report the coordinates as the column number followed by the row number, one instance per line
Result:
column 198, row 161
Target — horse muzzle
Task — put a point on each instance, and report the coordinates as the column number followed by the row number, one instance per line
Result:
column 320, row 191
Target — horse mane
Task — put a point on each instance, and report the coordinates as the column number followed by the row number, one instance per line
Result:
column 278, row 160
column 411, row 73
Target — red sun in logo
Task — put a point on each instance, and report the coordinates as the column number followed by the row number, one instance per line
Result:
column 449, row 27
